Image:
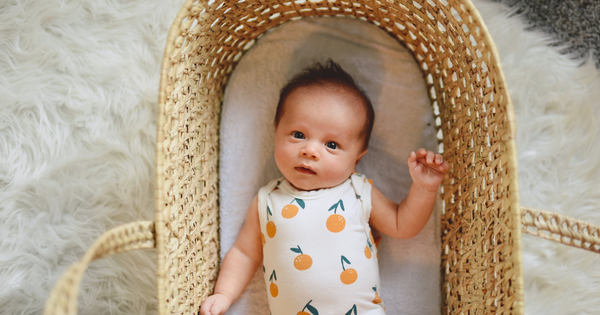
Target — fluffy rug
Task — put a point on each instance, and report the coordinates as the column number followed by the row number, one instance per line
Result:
column 574, row 24
column 78, row 92
column 78, row 97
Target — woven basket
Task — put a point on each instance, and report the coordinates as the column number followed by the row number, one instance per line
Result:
column 481, row 217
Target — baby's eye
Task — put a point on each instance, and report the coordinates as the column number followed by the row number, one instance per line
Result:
column 332, row 145
column 298, row 135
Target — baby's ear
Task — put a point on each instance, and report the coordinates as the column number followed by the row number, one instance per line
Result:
column 360, row 155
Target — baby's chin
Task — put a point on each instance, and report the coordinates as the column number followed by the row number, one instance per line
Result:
column 301, row 185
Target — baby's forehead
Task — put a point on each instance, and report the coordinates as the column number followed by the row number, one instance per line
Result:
column 332, row 102
column 333, row 88
column 352, row 98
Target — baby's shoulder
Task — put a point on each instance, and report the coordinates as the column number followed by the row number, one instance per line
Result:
column 362, row 177
column 361, row 182
column 271, row 185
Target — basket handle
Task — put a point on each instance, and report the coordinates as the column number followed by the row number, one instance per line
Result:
column 561, row 228
column 136, row 235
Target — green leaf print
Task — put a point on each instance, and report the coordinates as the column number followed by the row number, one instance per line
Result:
column 311, row 308
column 297, row 250
column 353, row 309
column 344, row 259
column 334, row 207
column 300, row 203
column 273, row 275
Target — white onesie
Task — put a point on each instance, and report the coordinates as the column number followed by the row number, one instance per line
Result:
column 318, row 252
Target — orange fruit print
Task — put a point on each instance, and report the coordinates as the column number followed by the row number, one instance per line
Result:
column 336, row 223
column 274, row 290
column 377, row 299
column 271, row 228
column 290, row 211
column 368, row 248
column 302, row 261
column 273, row 287
column 348, row 276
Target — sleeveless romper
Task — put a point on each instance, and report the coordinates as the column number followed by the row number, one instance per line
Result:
column 319, row 256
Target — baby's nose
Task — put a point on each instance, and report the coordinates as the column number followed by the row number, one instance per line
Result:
column 310, row 152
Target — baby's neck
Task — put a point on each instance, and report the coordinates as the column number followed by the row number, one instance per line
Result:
column 314, row 189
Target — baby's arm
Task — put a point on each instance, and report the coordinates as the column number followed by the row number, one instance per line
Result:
column 238, row 266
column 407, row 219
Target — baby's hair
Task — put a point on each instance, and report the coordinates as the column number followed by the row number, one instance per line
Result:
column 330, row 74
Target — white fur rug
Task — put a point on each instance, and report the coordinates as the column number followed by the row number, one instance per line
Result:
column 78, row 96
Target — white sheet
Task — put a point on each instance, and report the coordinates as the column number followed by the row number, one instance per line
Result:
column 410, row 272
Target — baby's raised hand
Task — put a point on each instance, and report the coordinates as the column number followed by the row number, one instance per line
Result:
column 216, row 304
column 427, row 169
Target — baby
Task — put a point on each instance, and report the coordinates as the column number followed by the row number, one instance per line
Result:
column 311, row 229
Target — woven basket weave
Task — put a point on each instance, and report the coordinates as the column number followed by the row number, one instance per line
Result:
column 481, row 217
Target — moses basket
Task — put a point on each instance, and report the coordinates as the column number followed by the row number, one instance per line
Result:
column 482, row 220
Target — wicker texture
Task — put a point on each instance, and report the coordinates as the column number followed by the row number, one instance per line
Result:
column 137, row 235
column 562, row 229
column 481, row 219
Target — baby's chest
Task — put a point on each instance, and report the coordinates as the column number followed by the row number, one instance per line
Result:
column 325, row 236
column 326, row 222
column 321, row 254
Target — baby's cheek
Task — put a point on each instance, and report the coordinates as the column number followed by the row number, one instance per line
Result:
column 280, row 156
column 339, row 171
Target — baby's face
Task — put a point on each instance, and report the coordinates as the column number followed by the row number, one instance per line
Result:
column 317, row 142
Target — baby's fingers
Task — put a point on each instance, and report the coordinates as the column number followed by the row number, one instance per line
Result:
column 430, row 156
column 211, row 306
column 425, row 156
column 444, row 167
column 412, row 156
column 206, row 305
column 429, row 159
column 217, row 309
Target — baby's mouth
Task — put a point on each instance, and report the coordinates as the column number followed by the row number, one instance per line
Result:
column 305, row 170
